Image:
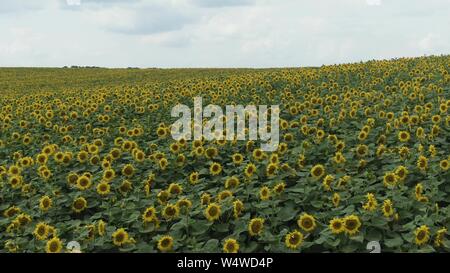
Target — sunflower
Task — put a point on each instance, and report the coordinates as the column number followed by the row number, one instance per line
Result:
column 237, row 158
column 279, row 188
column 352, row 224
column 422, row 235
column 223, row 195
column 264, row 193
column 293, row 239
column 327, row 181
column 174, row 148
column 250, row 170
column 318, row 171
column 362, row 150
column 232, row 182
column 422, row 163
column 387, row 208
column 238, row 207
column 11, row 211
column 120, row 237
column 79, row 204
column 230, row 246
column 390, row 179
column 42, row 159
column 165, row 243
column 440, row 234
column 83, row 182
column 213, row 212
column 16, row 181
column 125, row 187
column 128, row 170
column 444, row 165
column 184, row 204
column 149, row 215
column 371, row 203
column 211, row 152
column 258, row 154
column 307, row 222
column 45, row 203
column 170, row 212
column 401, row 172
column 101, row 228
column 336, row 225
column 256, row 226
column 41, row 231
column 339, row 158
column 193, row 178
column 205, row 199
column 109, row 175
column 163, row 196
column 403, row 136
column 215, row 168
column 175, row 189
column 53, row 245
column 336, row 199
column 72, row 178
column 103, row 188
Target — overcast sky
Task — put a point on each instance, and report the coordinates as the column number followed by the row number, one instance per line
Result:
column 219, row 33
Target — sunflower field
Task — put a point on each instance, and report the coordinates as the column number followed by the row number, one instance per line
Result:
column 86, row 156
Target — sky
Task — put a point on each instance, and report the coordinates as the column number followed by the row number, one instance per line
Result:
column 218, row 33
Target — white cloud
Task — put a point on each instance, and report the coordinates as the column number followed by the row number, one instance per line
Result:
column 373, row 2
